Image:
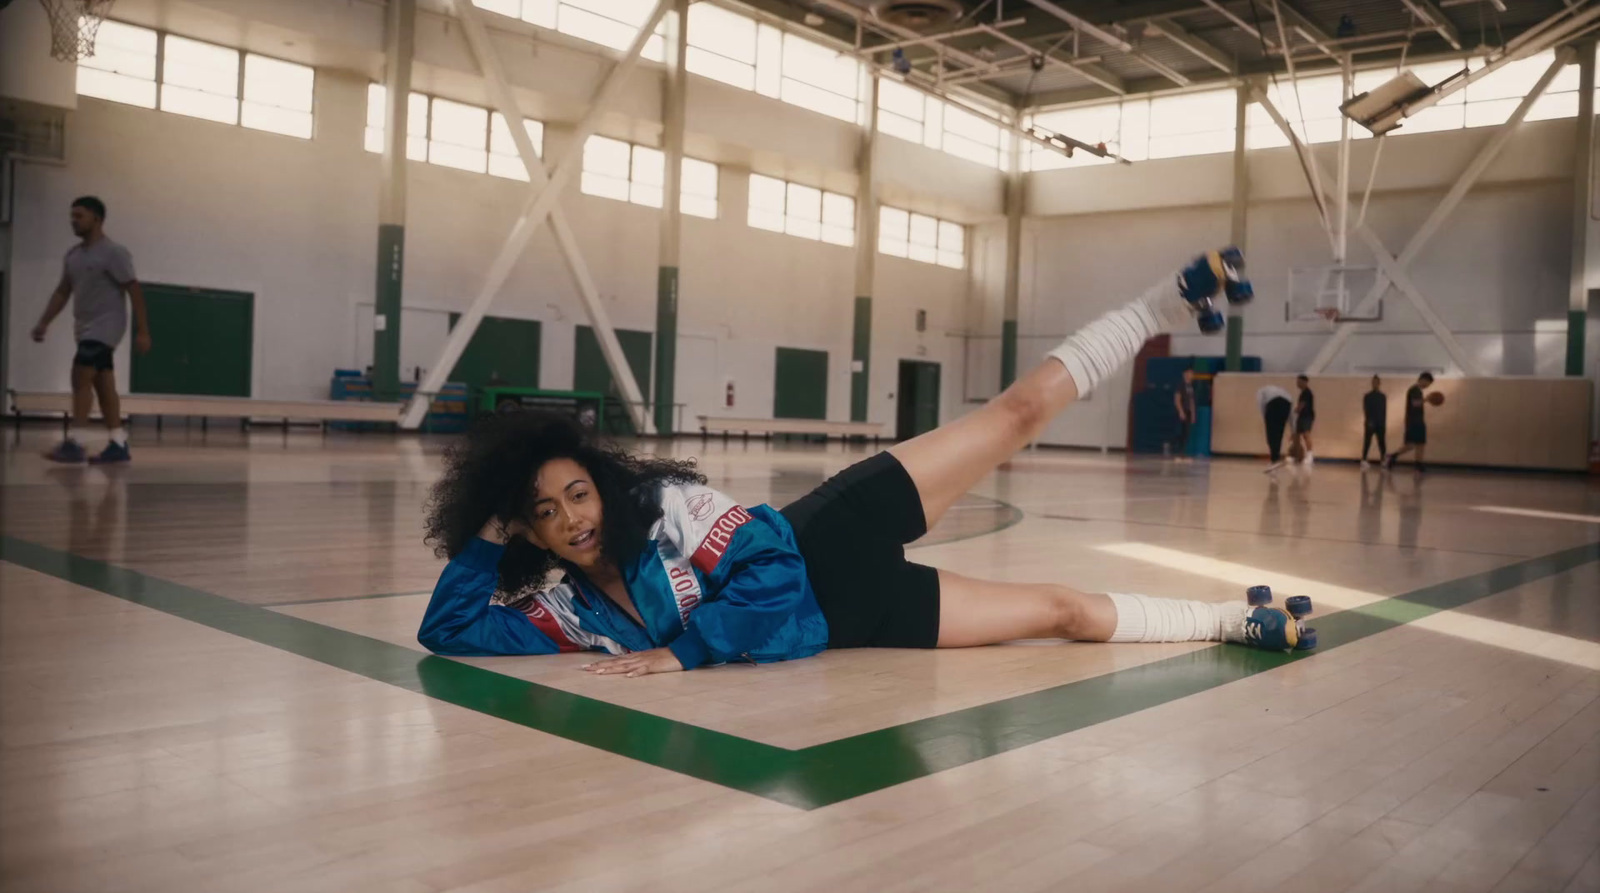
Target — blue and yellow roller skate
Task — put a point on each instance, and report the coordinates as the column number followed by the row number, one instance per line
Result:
column 1213, row 273
column 1274, row 629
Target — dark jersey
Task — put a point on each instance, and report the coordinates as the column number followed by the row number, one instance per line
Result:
column 1414, row 406
column 1307, row 404
column 1376, row 409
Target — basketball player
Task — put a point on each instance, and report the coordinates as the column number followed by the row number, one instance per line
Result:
column 667, row 574
column 1416, row 423
column 1375, row 416
column 1305, row 415
column 1276, row 405
column 96, row 273
column 1183, row 402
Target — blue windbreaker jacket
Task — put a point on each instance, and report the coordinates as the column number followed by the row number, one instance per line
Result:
column 715, row 583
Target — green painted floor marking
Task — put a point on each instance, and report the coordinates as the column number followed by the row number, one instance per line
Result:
column 344, row 598
column 807, row 778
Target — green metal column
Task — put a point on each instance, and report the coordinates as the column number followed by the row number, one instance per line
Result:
column 1241, row 199
column 400, row 30
column 1582, row 197
column 866, row 259
column 672, row 112
column 1014, row 202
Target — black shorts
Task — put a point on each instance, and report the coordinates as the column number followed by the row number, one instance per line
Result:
column 852, row 532
column 94, row 354
column 1303, row 424
column 1417, row 434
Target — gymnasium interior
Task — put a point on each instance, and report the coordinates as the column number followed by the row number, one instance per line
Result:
column 777, row 237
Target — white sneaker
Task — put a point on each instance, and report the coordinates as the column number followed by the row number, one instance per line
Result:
column 1365, row 465
column 1273, row 467
column 1309, row 460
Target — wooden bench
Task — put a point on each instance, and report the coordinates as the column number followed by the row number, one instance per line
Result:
column 245, row 409
column 710, row 425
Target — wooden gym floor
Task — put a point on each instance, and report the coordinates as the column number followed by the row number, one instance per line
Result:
column 209, row 681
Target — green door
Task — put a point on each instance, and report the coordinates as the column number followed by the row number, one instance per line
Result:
column 800, row 384
column 917, row 402
column 502, row 352
column 590, row 372
column 201, row 342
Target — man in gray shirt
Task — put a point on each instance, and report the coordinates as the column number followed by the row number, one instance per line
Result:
column 96, row 274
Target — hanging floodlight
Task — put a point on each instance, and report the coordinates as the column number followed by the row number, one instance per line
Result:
column 1383, row 108
column 1067, row 145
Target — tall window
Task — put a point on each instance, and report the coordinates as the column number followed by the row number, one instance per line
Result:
column 813, row 76
column 722, row 45
column 123, row 67
column 800, row 210
column 452, row 134
column 628, row 173
column 912, row 115
column 277, row 96
column 612, row 23
column 198, row 79
column 920, row 237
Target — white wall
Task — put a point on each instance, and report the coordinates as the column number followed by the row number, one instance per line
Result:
column 1497, row 270
column 294, row 222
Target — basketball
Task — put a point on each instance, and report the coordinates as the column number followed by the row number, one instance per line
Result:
column 1435, row 399
column 1296, row 451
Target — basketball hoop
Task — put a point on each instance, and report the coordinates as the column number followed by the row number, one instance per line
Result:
column 73, row 25
column 1330, row 315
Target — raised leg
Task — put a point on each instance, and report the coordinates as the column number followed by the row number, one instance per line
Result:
column 946, row 462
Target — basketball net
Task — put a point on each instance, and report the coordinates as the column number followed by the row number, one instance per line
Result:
column 73, row 25
column 1330, row 315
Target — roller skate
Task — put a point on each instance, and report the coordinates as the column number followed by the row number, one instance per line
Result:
column 1212, row 273
column 1273, row 629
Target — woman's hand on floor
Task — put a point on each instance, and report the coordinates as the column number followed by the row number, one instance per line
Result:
column 639, row 663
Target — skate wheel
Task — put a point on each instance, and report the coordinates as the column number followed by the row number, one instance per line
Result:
column 1211, row 321
column 1298, row 606
column 1308, row 639
column 1258, row 596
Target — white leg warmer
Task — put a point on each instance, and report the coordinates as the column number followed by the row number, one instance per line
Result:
column 1099, row 349
column 1141, row 618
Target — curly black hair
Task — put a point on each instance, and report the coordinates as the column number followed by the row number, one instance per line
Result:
column 489, row 475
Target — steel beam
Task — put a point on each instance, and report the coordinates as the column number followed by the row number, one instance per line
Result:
column 1085, row 26
column 541, row 202
column 1582, row 219
column 1430, row 13
column 1087, row 70
column 1202, row 49
column 1393, row 268
column 673, row 90
column 400, row 23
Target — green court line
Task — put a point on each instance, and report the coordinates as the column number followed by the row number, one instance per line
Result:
column 344, row 598
column 807, row 778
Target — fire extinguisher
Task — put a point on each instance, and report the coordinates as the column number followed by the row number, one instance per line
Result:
column 730, row 394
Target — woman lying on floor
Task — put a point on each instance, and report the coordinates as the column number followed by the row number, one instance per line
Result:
column 668, row 574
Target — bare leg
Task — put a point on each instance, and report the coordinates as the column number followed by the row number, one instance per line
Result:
column 105, row 385
column 946, row 462
column 985, row 612
column 83, row 386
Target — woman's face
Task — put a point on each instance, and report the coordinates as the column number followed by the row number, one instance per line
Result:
column 565, row 514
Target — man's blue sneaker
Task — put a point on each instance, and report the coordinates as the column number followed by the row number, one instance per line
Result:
column 113, row 453
column 67, row 452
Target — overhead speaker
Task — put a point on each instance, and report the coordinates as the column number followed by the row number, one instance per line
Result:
column 918, row 15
